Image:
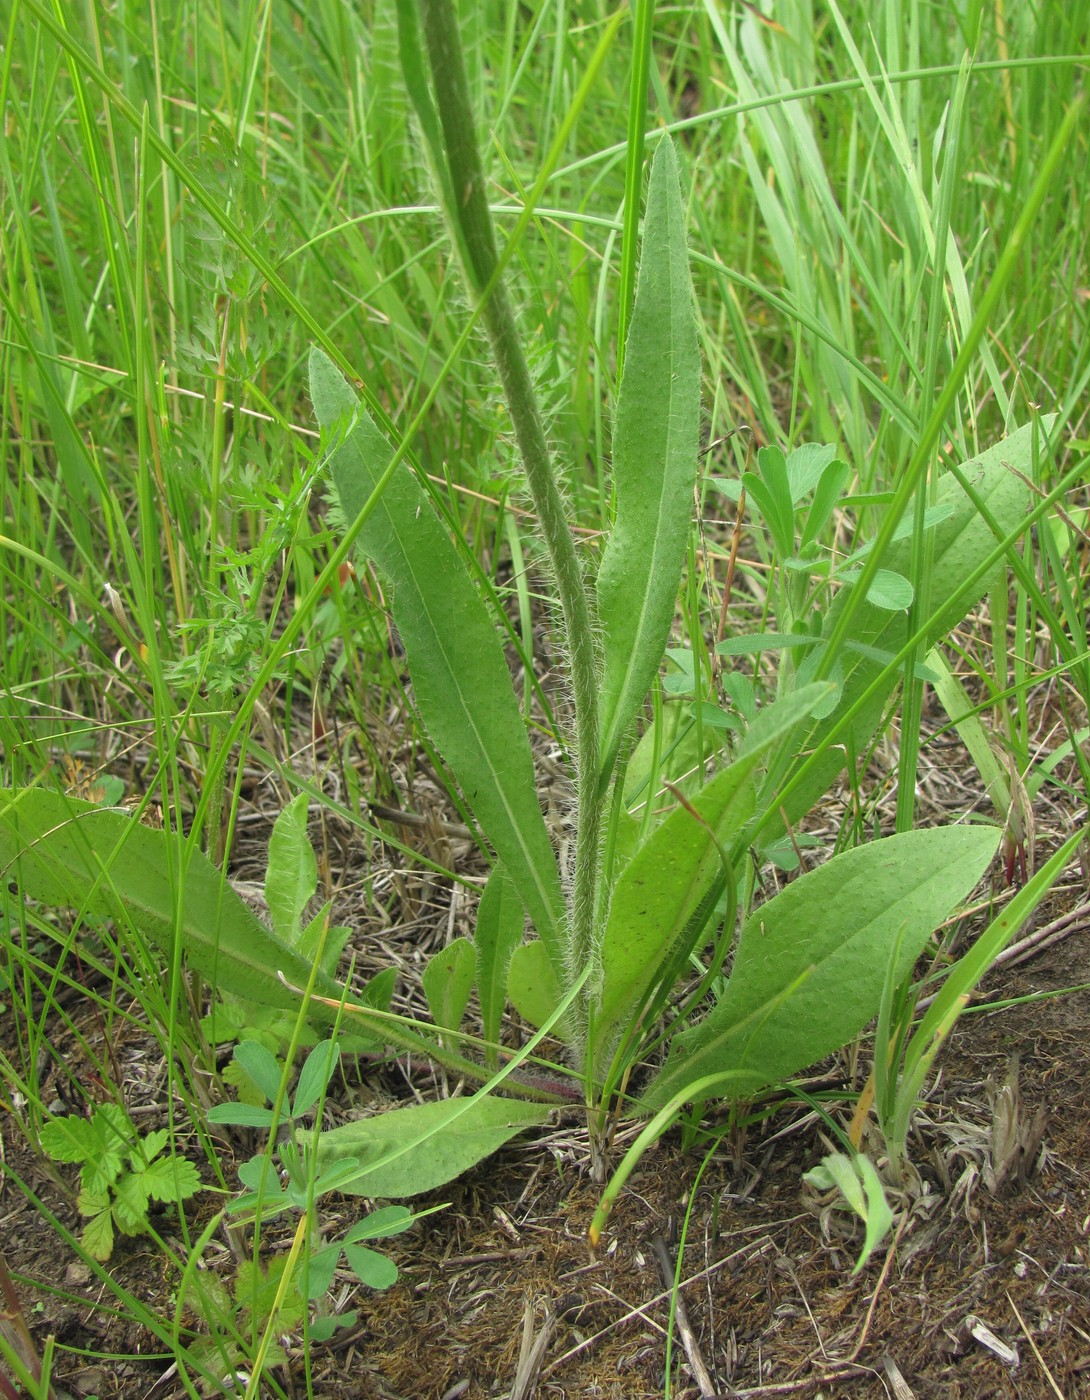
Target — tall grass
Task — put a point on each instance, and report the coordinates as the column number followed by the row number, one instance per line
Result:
column 193, row 194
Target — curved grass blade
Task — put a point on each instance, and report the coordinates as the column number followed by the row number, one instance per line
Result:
column 962, row 540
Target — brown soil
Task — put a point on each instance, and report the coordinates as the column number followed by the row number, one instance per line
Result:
column 772, row 1307
column 984, row 1292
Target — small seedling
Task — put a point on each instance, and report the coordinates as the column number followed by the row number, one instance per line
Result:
column 122, row 1173
column 856, row 1185
column 297, row 1187
column 291, row 883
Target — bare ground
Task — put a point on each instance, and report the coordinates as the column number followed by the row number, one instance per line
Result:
column 984, row 1291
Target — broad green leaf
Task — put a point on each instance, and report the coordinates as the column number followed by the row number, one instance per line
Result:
column 654, row 462
column 771, row 490
column 107, row 864
column 727, row 486
column 665, row 894
column 379, row 992
column 878, row 1217
column 69, row 1139
column 809, row 561
column 777, row 720
column 834, row 478
column 655, row 908
column 532, row 987
column 857, row 1181
column 448, row 981
column 681, row 757
column 234, row 1075
column 741, row 691
column 260, row 1291
column 148, row 1147
column 259, row 1174
column 832, row 931
column 890, row 591
column 683, row 680
column 712, row 717
column 500, row 921
column 461, row 683
column 292, row 873
column 381, row 1224
column 932, row 516
column 131, row 1203
column 319, row 934
column 920, row 670
column 753, row 643
column 242, row 1115
column 777, row 517
column 423, row 1146
column 318, row 1270
column 327, row 1181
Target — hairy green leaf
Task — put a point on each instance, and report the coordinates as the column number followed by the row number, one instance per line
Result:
column 105, row 863
column 655, row 903
column 291, row 876
column 665, row 895
column 448, row 981
column 497, row 934
column 654, row 462
column 261, row 1065
column 314, row 1076
column 409, row 1150
column 370, row 1267
column 461, row 683
column 829, row 936
column 531, row 983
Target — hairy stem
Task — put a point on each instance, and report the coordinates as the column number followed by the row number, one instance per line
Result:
column 473, row 218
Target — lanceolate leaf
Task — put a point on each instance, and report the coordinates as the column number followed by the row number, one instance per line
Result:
column 828, row 940
column 448, row 981
column 497, row 935
column 461, row 683
column 657, row 898
column 105, row 863
column 654, row 462
column 405, row 1151
column 292, row 874
column 532, row 985
column 665, row 894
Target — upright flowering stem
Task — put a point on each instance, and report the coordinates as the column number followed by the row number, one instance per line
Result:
column 476, row 239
